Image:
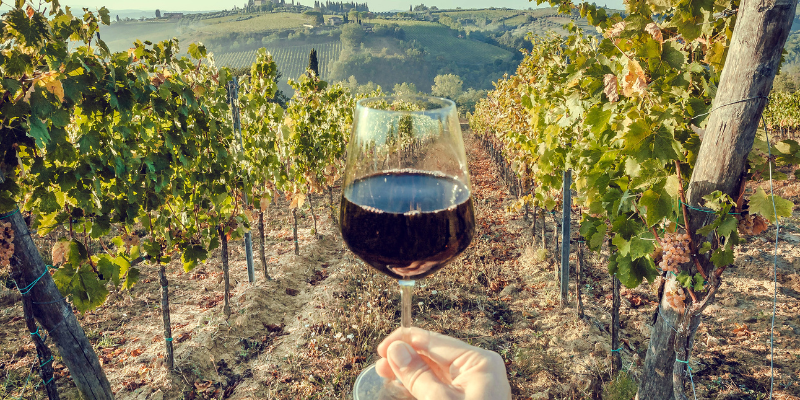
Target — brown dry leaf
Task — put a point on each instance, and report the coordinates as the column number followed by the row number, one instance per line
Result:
column 653, row 29
column 29, row 11
column 298, row 200
column 760, row 224
column 264, row 204
column 741, row 330
column 635, row 80
column 610, row 83
column 136, row 352
column 59, row 252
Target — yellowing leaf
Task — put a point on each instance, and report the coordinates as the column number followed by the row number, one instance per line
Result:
column 610, row 89
column 653, row 29
column 264, row 204
column 52, row 84
column 298, row 200
column 761, row 203
column 60, row 249
column 634, row 82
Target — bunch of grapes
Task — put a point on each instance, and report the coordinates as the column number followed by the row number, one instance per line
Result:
column 675, row 248
column 6, row 244
column 676, row 299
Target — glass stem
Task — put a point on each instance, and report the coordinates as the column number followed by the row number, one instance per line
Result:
column 406, row 293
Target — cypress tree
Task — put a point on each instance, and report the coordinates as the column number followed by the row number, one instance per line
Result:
column 313, row 64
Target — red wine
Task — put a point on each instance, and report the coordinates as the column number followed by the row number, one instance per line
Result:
column 407, row 224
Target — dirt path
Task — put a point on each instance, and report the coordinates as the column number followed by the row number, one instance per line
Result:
column 309, row 332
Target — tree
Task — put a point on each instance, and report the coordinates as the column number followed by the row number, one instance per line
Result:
column 784, row 83
column 352, row 35
column 313, row 63
column 316, row 17
column 405, row 89
column 158, row 13
column 449, row 86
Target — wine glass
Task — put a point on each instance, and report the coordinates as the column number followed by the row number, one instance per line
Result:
column 406, row 201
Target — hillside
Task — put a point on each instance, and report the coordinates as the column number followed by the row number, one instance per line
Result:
column 477, row 45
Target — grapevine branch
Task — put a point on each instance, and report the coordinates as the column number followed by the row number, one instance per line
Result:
column 692, row 247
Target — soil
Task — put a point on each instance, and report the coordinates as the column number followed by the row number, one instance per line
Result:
column 309, row 331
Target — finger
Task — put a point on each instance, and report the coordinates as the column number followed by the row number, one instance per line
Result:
column 383, row 369
column 443, row 350
column 416, row 375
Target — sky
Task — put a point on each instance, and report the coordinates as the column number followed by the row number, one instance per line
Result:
column 374, row 5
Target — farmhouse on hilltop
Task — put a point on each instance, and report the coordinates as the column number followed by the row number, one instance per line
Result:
column 172, row 15
column 334, row 21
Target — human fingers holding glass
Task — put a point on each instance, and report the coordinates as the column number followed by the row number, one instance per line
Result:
column 434, row 366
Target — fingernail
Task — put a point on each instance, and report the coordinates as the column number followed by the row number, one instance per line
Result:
column 400, row 353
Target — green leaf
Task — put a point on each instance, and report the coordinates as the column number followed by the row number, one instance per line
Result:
column 760, row 203
column 641, row 247
column 197, row 52
column 673, row 55
column 623, row 246
column 728, row 225
column 131, row 278
column 107, row 268
column 38, row 131
column 598, row 118
column 722, row 256
column 699, row 282
column 685, row 279
column 101, row 226
column 87, row 291
column 597, row 239
column 626, row 226
column 705, row 248
column 152, row 248
column 192, row 255
column 658, row 204
column 104, row 16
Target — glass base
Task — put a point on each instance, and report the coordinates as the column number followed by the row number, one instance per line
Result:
column 371, row 386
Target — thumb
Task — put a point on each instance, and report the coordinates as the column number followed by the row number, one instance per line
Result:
column 416, row 374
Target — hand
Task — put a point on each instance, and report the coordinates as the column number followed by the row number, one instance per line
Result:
column 434, row 366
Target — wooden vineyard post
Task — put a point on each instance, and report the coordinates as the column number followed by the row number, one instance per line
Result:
column 296, row 245
column 169, row 358
column 42, row 351
column 233, row 95
column 616, row 358
column 55, row 315
column 223, row 238
column 752, row 62
column 313, row 215
column 565, row 235
column 262, row 249
column 579, row 278
column 544, row 225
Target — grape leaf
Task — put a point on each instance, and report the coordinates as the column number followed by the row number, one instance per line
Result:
column 761, row 203
column 39, row 132
column 191, row 256
column 131, row 278
column 658, row 205
column 723, row 256
column 673, row 55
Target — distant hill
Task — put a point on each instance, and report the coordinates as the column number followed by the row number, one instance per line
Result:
column 478, row 45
